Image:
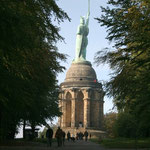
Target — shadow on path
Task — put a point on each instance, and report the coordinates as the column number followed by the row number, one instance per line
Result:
column 77, row 145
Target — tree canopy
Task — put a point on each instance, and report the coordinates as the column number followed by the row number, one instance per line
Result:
column 29, row 62
column 128, row 26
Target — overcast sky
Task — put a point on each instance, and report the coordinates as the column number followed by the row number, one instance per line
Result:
column 96, row 37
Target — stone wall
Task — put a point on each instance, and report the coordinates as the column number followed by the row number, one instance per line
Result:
column 81, row 107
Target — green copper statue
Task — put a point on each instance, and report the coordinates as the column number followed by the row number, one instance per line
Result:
column 81, row 38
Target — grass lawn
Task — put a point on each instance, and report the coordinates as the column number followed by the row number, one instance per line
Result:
column 123, row 143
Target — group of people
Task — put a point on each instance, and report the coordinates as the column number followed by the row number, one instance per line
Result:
column 60, row 135
column 79, row 136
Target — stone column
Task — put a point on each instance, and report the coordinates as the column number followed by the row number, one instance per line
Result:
column 98, row 114
column 64, row 113
column 86, row 112
column 101, row 114
column 73, row 113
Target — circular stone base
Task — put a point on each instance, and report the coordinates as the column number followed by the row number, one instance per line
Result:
column 81, row 62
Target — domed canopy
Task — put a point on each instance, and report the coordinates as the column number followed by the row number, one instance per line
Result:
column 80, row 72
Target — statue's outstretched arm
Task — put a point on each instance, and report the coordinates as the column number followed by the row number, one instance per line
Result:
column 88, row 8
column 88, row 14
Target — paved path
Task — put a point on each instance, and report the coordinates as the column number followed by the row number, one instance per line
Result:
column 82, row 145
column 77, row 145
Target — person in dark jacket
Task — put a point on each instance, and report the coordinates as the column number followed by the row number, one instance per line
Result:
column 68, row 136
column 49, row 136
column 59, row 136
column 86, row 135
column 63, row 139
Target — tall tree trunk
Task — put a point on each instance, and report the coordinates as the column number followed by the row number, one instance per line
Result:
column 33, row 129
column 24, row 126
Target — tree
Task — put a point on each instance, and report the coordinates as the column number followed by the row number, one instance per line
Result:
column 128, row 24
column 29, row 62
column 109, row 122
column 125, row 125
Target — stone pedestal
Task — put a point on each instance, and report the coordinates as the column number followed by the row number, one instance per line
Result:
column 81, row 99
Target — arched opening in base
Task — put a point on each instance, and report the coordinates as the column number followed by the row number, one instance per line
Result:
column 79, row 115
column 68, row 109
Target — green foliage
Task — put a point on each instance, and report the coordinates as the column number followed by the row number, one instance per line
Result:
column 121, row 124
column 125, row 125
column 125, row 143
column 128, row 24
column 109, row 122
column 29, row 62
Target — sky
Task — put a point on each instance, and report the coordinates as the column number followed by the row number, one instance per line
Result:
column 96, row 38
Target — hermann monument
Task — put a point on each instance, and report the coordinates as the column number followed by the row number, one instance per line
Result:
column 81, row 95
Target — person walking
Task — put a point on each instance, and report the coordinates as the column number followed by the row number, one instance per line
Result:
column 81, row 136
column 86, row 135
column 77, row 136
column 90, row 135
column 63, row 138
column 49, row 136
column 73, row 137
column 68, row 136
column 59, row 136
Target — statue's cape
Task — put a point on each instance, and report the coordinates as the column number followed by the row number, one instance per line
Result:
column 79, row 44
